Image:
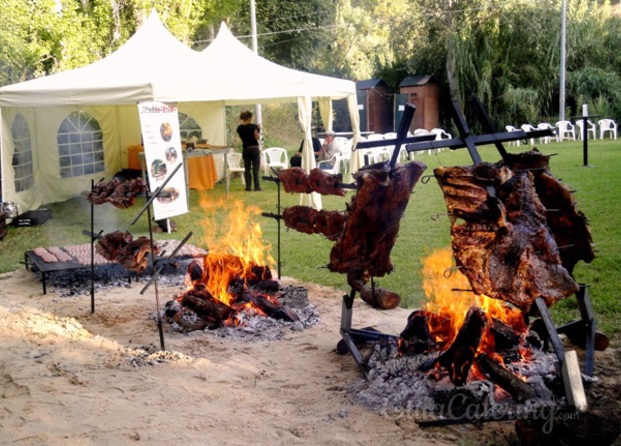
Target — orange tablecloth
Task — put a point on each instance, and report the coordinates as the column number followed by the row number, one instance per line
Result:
column 201, row 168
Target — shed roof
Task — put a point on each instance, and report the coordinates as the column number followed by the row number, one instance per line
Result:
column 370, row 83
column 414, row 81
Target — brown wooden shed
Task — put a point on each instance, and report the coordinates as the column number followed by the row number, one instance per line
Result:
column 375, row 106
column 423, row 92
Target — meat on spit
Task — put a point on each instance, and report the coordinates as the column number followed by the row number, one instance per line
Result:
column 504, row 246
column 121, row 247
column 569, row 225
column 121, row 194
column 373, row 218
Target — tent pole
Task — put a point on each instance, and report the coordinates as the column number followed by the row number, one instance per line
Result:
column 253, row 31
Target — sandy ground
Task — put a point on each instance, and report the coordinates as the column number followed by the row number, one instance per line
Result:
column 72, row 377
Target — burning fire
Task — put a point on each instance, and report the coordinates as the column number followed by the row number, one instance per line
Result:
column 448, row 307
column 236, row 248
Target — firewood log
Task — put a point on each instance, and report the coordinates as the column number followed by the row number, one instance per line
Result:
column 379, row 297
column 517, row 388
column 208, row 309
column 460, row 355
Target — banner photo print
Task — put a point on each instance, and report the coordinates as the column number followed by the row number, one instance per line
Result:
column 159, row 124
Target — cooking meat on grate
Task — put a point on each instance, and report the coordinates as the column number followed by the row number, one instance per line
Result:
column 326, row 183
column 295, row 180
column 300, row 218
column 507, row 252
column 373, row 220
column 569, row 225
column 121, row 247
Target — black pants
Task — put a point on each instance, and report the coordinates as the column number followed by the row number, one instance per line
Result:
column 252, row 160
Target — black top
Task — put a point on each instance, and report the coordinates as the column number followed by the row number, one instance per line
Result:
column 246, row 133
column 316, row 146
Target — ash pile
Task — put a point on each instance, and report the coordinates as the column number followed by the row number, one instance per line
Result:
column 404, row 385
column 77, row 282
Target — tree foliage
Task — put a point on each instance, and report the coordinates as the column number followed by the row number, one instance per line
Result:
column 507, row 53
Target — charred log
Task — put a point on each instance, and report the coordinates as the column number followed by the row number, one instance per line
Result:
column 274, row 309
column 506, row 341
column 415, row 337
column 461, row 354
column 195, row 272
column 379, row 297
column 206, row 307
column 496, row 373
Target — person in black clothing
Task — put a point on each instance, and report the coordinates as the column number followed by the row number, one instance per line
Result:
column 296, row 160
column 250, row 134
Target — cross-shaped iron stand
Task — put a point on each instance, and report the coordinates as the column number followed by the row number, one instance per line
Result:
column 466, row 139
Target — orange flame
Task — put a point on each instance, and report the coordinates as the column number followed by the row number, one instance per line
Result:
column 449, row 298
column 236, row 249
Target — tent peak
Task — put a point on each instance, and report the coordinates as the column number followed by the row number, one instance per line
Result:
column 224, row 29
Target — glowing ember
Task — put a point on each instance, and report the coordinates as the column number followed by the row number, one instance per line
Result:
column 448, row 307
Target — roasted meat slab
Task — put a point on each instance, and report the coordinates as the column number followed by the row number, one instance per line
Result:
column 569, row 225
column 121, row 194
column 121, row 247
column 296, row 180
column 373, row 219
column 504, row 245
column 311, row 221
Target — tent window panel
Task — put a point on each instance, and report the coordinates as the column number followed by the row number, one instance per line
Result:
column 188, row 127
column 22, row 155
column 80, row 145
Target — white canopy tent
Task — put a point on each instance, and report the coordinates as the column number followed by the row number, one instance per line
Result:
column 39, row 165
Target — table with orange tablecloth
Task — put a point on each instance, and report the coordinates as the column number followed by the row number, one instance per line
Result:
column 200, row 167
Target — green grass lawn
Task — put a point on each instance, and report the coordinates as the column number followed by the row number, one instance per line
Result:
column 424, row 227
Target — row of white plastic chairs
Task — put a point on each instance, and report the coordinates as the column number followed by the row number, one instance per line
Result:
column 567, row 130
column 277, row 158
column 383, row 153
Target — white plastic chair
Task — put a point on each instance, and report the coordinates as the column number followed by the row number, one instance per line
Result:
column 510, row 128
column 590, row 128
column 276, row 158
column 234, row 164
column 565, row 129
column 441, row 134
column 529, row 128
column 332, row 165
column 544, row 126
column 607, row 125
